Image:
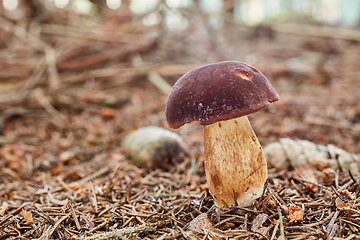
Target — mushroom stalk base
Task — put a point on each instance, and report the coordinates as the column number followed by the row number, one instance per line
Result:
column 235, row 164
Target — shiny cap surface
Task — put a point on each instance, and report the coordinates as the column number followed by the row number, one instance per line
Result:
column 218, row 92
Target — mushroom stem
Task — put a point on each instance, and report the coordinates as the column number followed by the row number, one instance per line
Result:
column 235, row 164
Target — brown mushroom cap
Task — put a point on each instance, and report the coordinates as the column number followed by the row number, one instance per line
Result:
column 218, row 92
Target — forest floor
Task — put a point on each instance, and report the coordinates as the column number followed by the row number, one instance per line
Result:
column 71, row 90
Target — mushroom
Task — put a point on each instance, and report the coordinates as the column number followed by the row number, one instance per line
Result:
column 154, row 147
column 220, row 96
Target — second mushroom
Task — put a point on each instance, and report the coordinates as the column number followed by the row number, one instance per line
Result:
column 220, row 96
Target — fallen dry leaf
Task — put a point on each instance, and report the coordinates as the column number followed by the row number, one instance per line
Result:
column 295, row 213
column 346, row 193
column 107, row 113
column 27, row 216
column 14, row 156
column 4, row 207
column 75, row 186
column 200, row 223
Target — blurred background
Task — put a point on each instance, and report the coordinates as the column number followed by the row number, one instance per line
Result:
column 80, row 74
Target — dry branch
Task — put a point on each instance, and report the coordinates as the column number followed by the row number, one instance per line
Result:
column 124, row 233
column 317, row 31
column 23, row 35
column 108, row 55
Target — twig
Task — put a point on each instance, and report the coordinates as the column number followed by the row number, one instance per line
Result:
column 73, row 214
column 316, row 184
column 44, row 102
column 317, row 31
column 332, row 222
column 320, row 222
column 50, row 56
column 336, row 180
column 43, row 215
column 275, row 230
column 124, row 233
column 29, row 161
column 159, row 82
column 185, row 234
column 87, row 33
column 104, row 56
column 94, row 197
column 35, row 77
column 278, row 199
column 94, row 175
column 51, row 230
column 153, row 76
column 99, row 226
column 24, row 35
column 13, row 213
column 25, row 90
column 282, row 234
column 352, row 176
